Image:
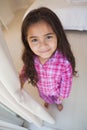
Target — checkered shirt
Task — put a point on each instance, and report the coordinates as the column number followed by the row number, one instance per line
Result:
column 55, row 78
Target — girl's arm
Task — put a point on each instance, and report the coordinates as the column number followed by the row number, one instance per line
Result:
column 66, row 82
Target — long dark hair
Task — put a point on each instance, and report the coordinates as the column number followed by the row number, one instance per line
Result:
column 52, row 19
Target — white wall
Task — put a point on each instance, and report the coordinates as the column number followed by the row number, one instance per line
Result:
column 6, row 13
column 19, row 4
column 9, row 7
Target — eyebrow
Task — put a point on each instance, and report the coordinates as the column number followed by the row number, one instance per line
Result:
column 48, row 34
column 43, row 35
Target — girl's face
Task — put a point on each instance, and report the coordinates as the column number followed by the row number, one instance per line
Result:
column 42, row 40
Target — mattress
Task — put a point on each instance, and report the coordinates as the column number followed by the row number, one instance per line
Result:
column 71, row 17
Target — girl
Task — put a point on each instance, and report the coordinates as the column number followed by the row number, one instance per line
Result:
column 49, row 63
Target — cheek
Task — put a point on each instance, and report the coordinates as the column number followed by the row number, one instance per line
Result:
column 31, row 46
column 34, row 48
column 54, row 45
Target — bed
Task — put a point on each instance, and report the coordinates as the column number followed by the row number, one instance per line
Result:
column 72, row 17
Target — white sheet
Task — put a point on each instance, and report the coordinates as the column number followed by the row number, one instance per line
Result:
column 11, row 95
column 11, row 103
column 8, row 126
column 72, row 18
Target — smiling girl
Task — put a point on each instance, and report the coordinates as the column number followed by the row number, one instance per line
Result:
column 49, row 63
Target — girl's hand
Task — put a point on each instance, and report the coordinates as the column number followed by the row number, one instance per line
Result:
column 60, row 98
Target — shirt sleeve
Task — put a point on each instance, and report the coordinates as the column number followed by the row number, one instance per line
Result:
column 22, row 75
column 66, row 81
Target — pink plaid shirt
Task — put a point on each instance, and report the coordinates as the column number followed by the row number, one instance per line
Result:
column 55, row 78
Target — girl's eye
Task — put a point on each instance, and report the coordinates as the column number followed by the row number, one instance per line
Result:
column 34, row 40
column 49, row 37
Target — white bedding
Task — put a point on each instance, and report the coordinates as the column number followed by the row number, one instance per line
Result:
column 72, row 17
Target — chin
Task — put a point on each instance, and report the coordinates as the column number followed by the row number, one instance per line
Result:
column 46, row 56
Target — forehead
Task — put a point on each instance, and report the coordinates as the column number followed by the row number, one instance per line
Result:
column 40, row 28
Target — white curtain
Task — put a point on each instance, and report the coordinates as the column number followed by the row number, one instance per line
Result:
column 10, row 94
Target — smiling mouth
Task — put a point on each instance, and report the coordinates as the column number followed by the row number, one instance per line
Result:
column 44, row 51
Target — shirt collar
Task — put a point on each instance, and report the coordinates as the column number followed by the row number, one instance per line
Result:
column 52, row 59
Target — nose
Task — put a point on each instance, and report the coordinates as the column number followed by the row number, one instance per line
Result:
column 42, row 44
